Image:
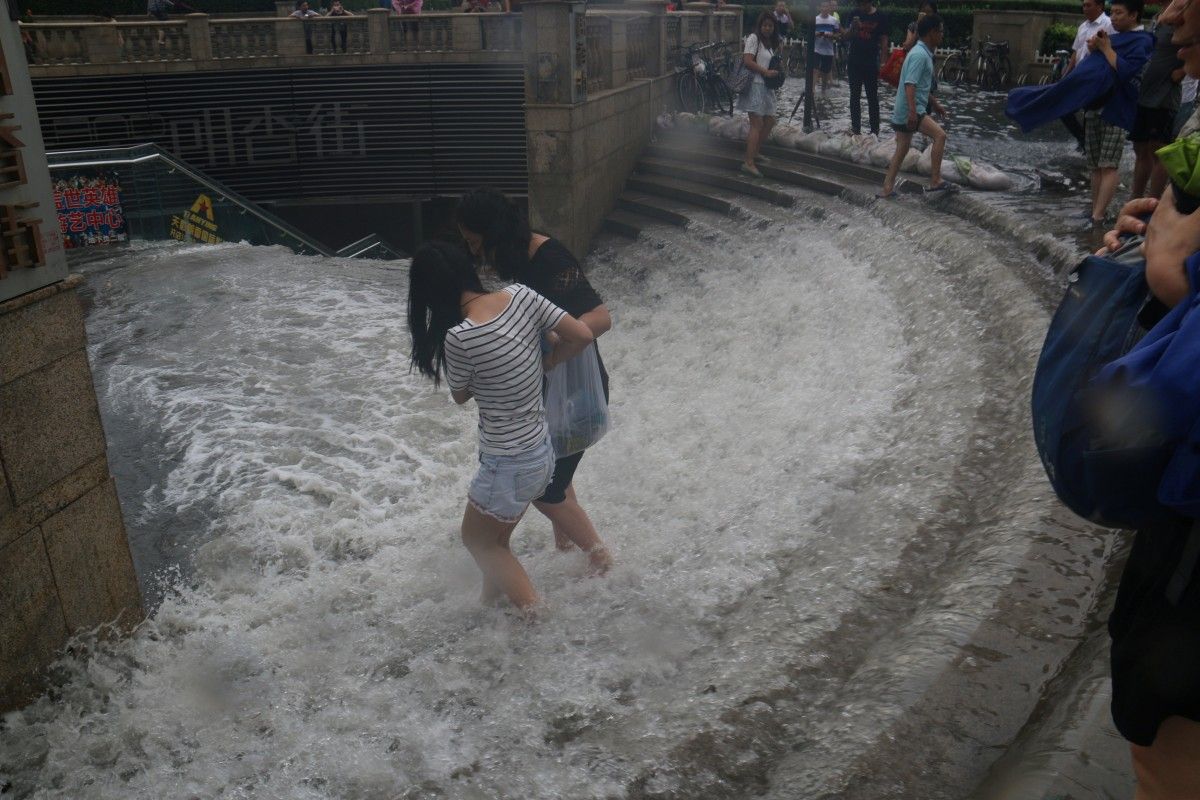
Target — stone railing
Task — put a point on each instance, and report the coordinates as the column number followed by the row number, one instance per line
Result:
column 199, row 41
column 624, row 45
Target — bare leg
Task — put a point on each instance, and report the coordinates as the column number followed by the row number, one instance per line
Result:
column 938, row 137
column 768, row 126
column 1169, row 769
column 1158, row 179
column 1106, row 190
column 753, row 140
column 569, row 517
column 903, row 143
column 1142, row 166
column 487, row 540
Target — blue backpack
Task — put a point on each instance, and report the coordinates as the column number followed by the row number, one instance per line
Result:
column 1108, row 481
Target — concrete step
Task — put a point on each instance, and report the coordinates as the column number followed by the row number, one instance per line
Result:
column 647, row 205
column 709, row 176
column 731, row 160
column 692, row 193
column 624, row 224
column 827, row 171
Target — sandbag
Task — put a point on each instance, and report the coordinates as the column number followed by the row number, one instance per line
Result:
column 860, row 148
column 811, row 142
column 882, row 153
column 985, row 176
column 831, row 146
column 925, row 162
column 909, row 164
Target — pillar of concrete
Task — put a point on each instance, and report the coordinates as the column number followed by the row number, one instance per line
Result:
column 64, row 560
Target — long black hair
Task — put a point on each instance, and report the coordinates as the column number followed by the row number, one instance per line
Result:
column 501, row 225
column 439, row 274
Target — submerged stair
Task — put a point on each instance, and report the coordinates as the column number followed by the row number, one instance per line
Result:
column 685, row 171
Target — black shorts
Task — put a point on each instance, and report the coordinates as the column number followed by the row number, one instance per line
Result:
column 824, row 62
column 1155, row 642
column 903, row 127
column 1152, row 125
column 564, row 473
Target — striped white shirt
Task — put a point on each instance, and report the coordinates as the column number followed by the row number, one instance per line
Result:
column 500, row 361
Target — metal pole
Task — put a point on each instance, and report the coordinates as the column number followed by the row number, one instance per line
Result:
column 810, row 39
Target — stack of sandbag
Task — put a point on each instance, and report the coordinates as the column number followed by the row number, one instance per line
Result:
column 979, row 175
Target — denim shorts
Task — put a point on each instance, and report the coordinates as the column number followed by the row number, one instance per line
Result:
column 504, row 485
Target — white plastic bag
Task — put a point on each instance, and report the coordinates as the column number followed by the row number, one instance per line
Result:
column 576, row 411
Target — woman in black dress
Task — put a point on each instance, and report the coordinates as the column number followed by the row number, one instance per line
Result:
column 496, row 230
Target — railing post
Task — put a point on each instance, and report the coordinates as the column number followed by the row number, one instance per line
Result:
column 737, row 13
column 199, row 37
column 377, row 31
column 555, row 51
column 102, row 43
column 466, row 31
column 618, row 51
column 657, row 9
column 707, row 10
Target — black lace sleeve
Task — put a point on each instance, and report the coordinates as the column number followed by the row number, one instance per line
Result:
column 555, row 274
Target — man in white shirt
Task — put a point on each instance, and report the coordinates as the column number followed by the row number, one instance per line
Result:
column 1094, row 20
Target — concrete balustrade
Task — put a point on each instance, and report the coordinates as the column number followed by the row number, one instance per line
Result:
column 200, row 42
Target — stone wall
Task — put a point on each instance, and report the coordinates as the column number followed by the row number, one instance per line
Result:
column 64, row 560
column 583, row 143
column 580, row 156
column 1023, row 30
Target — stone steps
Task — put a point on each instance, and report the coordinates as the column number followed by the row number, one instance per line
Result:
column 686, row 170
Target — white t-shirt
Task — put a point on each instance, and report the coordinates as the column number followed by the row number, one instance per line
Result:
column 500, row 361
column 826, row 23
column 764, row 55
column 1188, row 89
column 1088, row 29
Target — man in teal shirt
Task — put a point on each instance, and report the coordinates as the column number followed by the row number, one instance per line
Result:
column 913, row 103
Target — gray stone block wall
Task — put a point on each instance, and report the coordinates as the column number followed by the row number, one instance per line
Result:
column 65, row 565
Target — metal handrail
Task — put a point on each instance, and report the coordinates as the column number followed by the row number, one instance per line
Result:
column 157, row 153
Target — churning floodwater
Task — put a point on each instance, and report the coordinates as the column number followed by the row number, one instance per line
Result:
column 818, row 488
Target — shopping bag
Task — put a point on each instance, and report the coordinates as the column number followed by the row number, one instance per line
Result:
column 890, row 71
column 576, row 411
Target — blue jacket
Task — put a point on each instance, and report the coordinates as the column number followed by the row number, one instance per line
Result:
column 1091, row 80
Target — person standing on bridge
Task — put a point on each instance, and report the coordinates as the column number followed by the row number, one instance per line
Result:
column 496, row 231
column 338, row 29
column 488, row 345
column 304, row 14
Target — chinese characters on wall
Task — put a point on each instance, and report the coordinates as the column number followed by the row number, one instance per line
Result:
column 89, row 210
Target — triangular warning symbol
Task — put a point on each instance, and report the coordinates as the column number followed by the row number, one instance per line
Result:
column 203, row 206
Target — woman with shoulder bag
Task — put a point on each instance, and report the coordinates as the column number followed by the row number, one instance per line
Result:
column 758, row 99
column 496, row 230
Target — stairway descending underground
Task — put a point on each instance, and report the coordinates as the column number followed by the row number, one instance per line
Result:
column 684, row 172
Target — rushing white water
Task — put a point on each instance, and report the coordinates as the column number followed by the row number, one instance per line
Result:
column 325, row 639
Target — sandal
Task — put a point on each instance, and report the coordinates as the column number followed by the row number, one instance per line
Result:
column 941, row 187
column 888, row 196
column 751, row 170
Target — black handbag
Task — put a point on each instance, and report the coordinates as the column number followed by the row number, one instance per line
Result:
column 777, row 65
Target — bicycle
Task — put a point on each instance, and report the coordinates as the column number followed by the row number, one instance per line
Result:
column 956, row 68
column 993, row 70
column 698, row 85
column 1059, row 68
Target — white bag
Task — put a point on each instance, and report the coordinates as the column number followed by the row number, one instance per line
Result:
column 576, row 411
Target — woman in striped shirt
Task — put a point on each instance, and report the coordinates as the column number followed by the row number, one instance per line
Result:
column 488, row 345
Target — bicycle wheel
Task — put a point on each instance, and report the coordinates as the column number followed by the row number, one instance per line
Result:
column 721, row 96
column 954, row 70
column 691, row 93
column 1005, row 73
